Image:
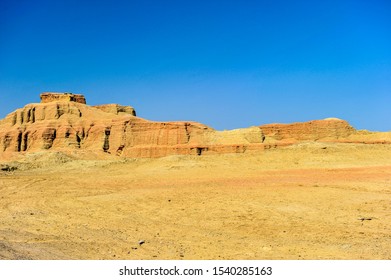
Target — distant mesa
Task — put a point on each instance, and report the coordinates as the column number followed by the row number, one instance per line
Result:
column 62, row 122
column 47, row 97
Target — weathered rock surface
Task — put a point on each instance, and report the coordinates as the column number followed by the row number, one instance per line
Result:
column 116, row 109
column 327, row 129
column 72, row 127
column 58, row 96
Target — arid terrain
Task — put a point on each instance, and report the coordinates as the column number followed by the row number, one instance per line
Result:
column 98, row 182
column 305, row 201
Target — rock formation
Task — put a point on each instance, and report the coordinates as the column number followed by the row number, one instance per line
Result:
column 116, row 109
column 327, row 129
column 57, row 96
column 63, row 122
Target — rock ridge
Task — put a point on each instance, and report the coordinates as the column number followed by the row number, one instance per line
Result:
column 47, row 97
column 72, row 127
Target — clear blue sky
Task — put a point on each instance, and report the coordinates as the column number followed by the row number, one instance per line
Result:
column 227, row 64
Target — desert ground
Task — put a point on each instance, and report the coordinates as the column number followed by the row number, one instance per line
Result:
column 305, row 201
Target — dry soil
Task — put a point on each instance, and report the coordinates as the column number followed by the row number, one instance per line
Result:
column 307, row 201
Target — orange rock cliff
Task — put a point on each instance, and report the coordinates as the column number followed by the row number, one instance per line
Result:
column 63, row 122
column 56, row 96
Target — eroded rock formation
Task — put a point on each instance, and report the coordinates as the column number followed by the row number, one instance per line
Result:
column 116, row 109
column 61, row 124
column 327, row 129
column 57, row 96
column 64, row 123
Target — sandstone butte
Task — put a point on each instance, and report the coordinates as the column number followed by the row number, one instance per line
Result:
column 64, row 122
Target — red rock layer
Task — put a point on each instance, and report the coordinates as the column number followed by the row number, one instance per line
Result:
column 73, row 127
column 328, row 129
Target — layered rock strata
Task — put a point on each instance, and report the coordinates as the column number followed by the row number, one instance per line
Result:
column 64, row 123
column 47, row 97
column 71, row 126
column 327, row 129
column 116, row 109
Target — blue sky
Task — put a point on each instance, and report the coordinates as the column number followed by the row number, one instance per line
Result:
column 227, row 64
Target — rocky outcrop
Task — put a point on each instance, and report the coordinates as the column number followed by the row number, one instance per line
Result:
column 327, row 129
column 73, row 127
column 116, row 109
column 113, row 129
column 57, row 96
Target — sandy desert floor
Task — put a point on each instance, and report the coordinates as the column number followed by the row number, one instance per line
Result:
column 308, row 201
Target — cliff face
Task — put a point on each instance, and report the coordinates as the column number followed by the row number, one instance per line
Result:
column 113, row 129
column 72, row 125
column 47, row 97
column 58, row 124
column 327, row 129
column 116, row 109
